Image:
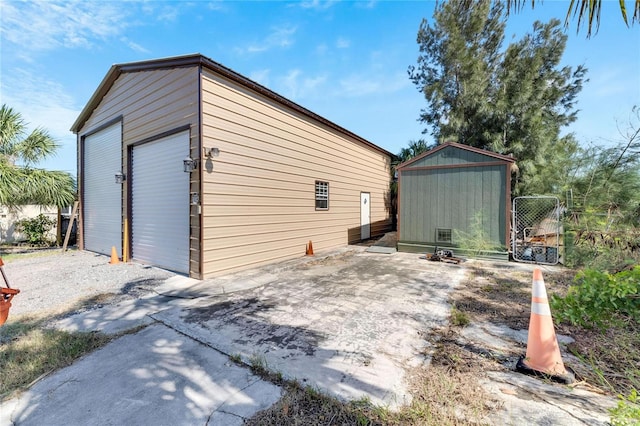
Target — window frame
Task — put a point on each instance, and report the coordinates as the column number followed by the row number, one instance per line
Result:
column 444, row 230
column 322, row 195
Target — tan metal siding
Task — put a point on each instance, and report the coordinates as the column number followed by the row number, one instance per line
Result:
column 259, row 193
column 151, row 103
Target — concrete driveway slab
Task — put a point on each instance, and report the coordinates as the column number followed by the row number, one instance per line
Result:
column 156, row 376
column 349, row 324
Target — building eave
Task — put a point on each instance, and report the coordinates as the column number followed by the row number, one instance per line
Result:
column 199, row 60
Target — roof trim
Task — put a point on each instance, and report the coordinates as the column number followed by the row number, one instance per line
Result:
column 199, row 60
column 501, row 157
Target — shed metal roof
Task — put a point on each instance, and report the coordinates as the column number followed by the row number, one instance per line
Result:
column 495, row 155
column 198, row 59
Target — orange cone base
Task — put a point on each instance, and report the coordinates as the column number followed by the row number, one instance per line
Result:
column 114, row 257
column 567, row 377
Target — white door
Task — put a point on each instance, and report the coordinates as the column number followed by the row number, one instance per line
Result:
column 160, row 203
column 365, row 215
column 101, row 196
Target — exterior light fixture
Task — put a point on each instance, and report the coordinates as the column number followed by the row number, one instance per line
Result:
column 212, row 152
column 189, row 164
column 120, row 177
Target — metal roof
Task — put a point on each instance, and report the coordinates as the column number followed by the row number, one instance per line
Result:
column 460, row 146
column 199, row 60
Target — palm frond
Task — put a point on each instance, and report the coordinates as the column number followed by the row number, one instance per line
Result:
column 48, row 188
column 587, row 11
column 12, row 127
column 36, row 147
column 10, row 178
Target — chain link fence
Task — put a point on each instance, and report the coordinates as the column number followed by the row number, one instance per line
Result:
column 536, row 230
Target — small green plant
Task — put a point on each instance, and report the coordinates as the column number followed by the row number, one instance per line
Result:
column 477, row 240
column 36, row 229
column 459, row 318
column 627, row 412
column 599, row 298
column 236, row 358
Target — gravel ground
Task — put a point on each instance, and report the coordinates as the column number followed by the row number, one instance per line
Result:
column 52, row 281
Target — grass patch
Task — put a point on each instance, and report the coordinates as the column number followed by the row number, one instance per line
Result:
column 305, row 405
column 459, row 318
column 444, row 394
column 10, row 253
column 28, row 351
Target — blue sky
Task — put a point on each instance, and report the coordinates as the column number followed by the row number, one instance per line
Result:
column 346, row 61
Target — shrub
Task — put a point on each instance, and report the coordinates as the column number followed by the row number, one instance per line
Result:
column 627, row 412
column 36, row 229
column 599, row 298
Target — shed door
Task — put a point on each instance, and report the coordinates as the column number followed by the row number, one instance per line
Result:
column 365, row 215
column 101, row 196
column 160, row 203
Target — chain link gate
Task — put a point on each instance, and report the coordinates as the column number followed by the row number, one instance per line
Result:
column 536, row 230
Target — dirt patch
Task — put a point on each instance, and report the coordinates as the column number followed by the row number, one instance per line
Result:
column 606, row 359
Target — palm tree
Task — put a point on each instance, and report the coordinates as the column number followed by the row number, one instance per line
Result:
column 20, row 182
column 585, row 9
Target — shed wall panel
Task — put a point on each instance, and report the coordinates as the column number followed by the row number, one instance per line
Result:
column 462, row 199
column 259, row 193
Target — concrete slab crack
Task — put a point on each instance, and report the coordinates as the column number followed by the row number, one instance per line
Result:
column 541, row 398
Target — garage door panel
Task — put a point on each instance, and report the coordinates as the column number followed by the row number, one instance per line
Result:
column 102, row 197
column 160, row 203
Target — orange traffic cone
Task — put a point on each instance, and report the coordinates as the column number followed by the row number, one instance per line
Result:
column 543, row 353
column 310, row 249
column 114, row 256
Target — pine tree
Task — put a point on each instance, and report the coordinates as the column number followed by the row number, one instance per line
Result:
column 511, row 101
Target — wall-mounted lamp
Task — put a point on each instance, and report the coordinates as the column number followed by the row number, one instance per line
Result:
column 120, row 177
column 189, row 164
column 212, row 152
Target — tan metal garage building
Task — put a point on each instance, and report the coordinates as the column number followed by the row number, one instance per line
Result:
column 217, row 173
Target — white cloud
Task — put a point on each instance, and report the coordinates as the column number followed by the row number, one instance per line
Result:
column 296, row 86
column 41, row 102
column 260, row 76
column 280, row 37
column 216, row 5
column 357, row 85
column 609, row 82
column 342, row 43
column 317, row 4
column 36, row 26
column 367, row 4
column 165, row 11
column 44, row 103
column 321, row 49
column 134, row 46
column 45, row 25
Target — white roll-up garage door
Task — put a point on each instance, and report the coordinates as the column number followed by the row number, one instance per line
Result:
column 101, row 196
column 160, row 203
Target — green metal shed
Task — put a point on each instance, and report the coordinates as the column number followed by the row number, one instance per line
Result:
column 455, row 196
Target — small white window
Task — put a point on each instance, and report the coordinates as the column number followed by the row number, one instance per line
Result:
column 322, row 195
column 443, row 235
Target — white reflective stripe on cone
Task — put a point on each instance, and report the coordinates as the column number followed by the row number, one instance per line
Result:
column 540, row 308
column 539, row 290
